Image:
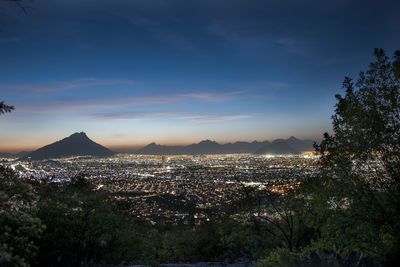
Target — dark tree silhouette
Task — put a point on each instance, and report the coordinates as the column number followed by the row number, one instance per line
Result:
column 20, row 229
column 360, row 174
column 21, row 4
column 352, row 205
column 365, row 147
column 5, row 108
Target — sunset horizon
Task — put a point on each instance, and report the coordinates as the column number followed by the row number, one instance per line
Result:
column 132, row 147
column 131, row 72
column 200, row 133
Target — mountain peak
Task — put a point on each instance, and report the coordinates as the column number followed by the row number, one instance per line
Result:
column 208, row 141
column 292, row 145
column 81, row 134
column 77, row 144
column 152, row 144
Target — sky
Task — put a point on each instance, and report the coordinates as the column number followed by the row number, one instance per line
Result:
column 131, row 72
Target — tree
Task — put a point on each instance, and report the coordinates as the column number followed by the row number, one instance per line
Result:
column 278, row 215
column 19, row 227
column 360, row 164
column 283, row 213
column 82, row 227
column 5, row 108
column 21, row 4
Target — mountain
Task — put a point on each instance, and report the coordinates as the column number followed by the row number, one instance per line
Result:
column 6, row 155
column 78, row 144
column 243, row 147
column 17, row 155
column 22, row 154
column 204, row 147
column 277, row 147
column 155, row 149
column 301, row 145
column 291, row 145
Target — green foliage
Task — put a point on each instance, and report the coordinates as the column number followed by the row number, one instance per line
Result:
column 19, row 227
column 280, row 257
column 19, row 231
column 69, row 224
column 242, row 240
column 352, row 208
column 281, row 217
column 226, row 241
column 357, row 206
column 82, row 227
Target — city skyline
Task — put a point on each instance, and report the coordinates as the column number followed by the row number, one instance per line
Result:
column 178, row 72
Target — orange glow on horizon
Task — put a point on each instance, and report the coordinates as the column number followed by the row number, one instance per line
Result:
column 123, row 143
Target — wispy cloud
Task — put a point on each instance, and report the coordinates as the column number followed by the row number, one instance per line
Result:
column 179, row 97
column 169, row 98
column 111, row 102
column 246, row 40
column 65, row 85
column 128, row 116
column 214, row 118
column 123, row 119
column 209, row 96
column 44, row 108
column 148, row 115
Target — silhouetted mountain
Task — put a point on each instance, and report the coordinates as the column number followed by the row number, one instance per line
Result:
column 11, row 155
column 155, row 149
column 22, row 153
column 243, row 147
column 279, row 146
column 6, row 155
column 292, row 145
column 300, row 145
column 204, row 147
column 77, row 144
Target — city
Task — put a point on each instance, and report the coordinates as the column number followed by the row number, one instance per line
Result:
column 178, row 188
column 199, row 133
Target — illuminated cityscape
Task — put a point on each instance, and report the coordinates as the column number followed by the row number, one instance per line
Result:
column 199, row 133
column 174, row 189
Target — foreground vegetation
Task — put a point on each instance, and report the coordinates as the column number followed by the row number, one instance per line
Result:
column 347, row 215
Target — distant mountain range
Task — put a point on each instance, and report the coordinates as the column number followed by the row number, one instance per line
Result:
column 6, row 155
column 78, row 144
column 291, row 145
column 17, row 155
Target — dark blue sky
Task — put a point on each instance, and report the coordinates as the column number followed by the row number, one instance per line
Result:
column 176, row 72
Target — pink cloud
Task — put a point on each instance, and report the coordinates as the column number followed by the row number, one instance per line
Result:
column 117, row 102
column 214, row 118
column 65, row 85
column 60, row 107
